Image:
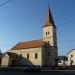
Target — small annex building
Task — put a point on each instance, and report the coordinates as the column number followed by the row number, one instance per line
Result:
column 71, row 57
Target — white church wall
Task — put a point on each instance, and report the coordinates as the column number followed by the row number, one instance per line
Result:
column 31, row 52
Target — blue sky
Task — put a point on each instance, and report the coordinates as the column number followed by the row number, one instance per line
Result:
column 22, row 20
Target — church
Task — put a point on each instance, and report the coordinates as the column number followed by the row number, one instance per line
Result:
column 42, row 52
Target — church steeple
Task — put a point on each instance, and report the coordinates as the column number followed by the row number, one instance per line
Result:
column 49, row 18
column 49, row 30
column 50, row 39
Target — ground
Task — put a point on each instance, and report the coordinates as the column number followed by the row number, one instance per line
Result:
column 21, row 72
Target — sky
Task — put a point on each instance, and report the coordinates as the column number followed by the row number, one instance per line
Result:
column 22, row 20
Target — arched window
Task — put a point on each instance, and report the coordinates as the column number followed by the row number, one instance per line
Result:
column 48, row 42
column 36, row 56
column 46, row 33
column 27, row 56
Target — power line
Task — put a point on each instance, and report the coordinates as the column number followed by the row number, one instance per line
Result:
column 4, row 3
column 67, row 41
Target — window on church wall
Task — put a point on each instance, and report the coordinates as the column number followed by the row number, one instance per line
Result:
column 36, row 56
column 27, row 56
column 46, row 33
column 48, row 42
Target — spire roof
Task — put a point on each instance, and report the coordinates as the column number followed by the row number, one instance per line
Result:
column 49, row 18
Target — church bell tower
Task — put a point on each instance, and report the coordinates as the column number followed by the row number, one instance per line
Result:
column 50, row 40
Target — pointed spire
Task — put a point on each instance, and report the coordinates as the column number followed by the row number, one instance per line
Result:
column 49, row 18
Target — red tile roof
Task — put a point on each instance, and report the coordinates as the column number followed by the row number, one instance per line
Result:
column 28, row 44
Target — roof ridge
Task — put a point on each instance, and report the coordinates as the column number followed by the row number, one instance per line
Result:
column 70, row 50
column 30, row 40
column 28, row 44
